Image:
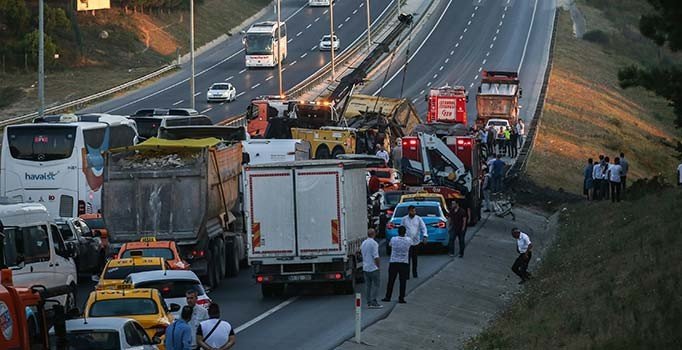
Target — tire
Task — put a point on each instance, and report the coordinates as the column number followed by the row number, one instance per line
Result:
column 217, row 261
column 222, row 259
column 322, row 152
column 70, row 302
column 337, row 150
column 232, row 260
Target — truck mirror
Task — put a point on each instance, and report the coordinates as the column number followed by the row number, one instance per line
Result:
column 246, row 158
column 520, row 92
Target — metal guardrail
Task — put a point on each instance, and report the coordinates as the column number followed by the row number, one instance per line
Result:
column 84, row 100
column 521, row 163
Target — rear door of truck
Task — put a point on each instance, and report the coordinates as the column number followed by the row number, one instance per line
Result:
column 319, row 204
column 270, row 207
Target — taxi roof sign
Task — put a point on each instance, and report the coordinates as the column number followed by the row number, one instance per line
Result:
column 148, row 239
column 124, row 285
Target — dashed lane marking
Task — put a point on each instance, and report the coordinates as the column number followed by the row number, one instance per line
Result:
column 242, row 71
column 197, row 94
column 308, row 26
column 484, row 61
column 239, row 94
column 452, row 52
column 441, row 68
column 447, row 60
column 457, row 45
column 293, row 63
column 317, row 19
column 255, row 86
column 206, row 110
column 340, row 26
column 299, row 34
column 461, row 36
column 355, row 11
column 465, row 29
column 471, row 85
column 325, row 12
column 303, row 55
column 268, row 78
column 347, row 19
column 177, row 103
column 290, row 40
column 229, row 78
column 480, row 69
column 435, row 76
column 421, row 92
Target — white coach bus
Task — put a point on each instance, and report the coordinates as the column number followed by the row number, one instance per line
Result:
column 260, row 44
column 58, row 160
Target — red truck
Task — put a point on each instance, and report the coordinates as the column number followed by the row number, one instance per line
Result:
column 498, row 97
column 447, row 104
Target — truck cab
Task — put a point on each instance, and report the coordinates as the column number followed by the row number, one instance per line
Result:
column 447, row 104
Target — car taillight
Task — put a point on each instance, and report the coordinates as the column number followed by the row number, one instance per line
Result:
column 389, row 212
column 261, row 279
column 204, row 302
column 196, row 254
column 440, row 224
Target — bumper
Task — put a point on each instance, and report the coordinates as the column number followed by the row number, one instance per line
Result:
column 199, row 266
column 438, row 237
column 217, row 98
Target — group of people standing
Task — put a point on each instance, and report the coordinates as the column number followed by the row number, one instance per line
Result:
column 604, row 180
column 504, row 140
column 198, row 328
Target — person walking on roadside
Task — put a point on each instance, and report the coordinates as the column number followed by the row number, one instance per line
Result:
column 199, row 314
column 397, row 154
column 491, row 141
column 483, row 135
column 381, row 153
column 679, row 175
column 521, row 130
column 416, row 231
column 596, row 179
column 179, row 334
column 498, row 173
column 605, row 178
column 370, row 268
column 398, row 264
column 457, row 225
column 487, row 187
column 524, row 247
column 587, row 179
column 615, row 173
column 215, row 333
column 625, row 165
column 513, row 142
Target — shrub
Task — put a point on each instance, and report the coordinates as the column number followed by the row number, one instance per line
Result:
column 597, row 36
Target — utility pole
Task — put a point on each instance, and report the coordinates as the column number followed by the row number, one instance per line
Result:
column 191, row 54
column 279, row 49
column 41, row 57
column 331, row 38
column 369, row 36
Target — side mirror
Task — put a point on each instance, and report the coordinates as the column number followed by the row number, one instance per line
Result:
column 174, row 307
column 156, row 340
column 246, row 158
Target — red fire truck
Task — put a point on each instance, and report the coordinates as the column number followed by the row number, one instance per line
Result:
column 447, row 104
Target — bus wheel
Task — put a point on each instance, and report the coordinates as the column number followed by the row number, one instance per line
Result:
column 322, row 152
column 337, row 150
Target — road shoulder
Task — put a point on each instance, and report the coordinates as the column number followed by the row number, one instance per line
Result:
column 459, row 301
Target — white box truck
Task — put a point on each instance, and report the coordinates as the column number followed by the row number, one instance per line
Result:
column 305, row 222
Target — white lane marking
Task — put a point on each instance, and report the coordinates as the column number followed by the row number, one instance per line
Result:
column 476, row 8
column 317, row 19
column 497, row 31
column 242, row 71
column 206, row 110
column 255, row 86
column 471, row 85
column 229, row 78
column 355, row 11
column 452, row 52
column 495, row 38
column 476, row 77
column 177, row 103
column 500, row 24
column 469, row 23
column 441, row 67
column 340, row 25
column 268, row 78
column 465, row 29
column 347, row 19
column 308, row 26
column 325, row 12
column 473, row 14
column 457, row 45
column 484, row 61
column 491, row 45
column 461, row 36
column 480, row 69
column 313, row 48
column 303, row 55
column 508, row 1
column 290, row 40
column 435, row 76
column 421, row 92
column 197, row 94
column 299, row 34
column 415, row 100
column 362, row 4
column 487, row 54
column 503, row 15
column 293, row 63
column 239, row 94
column 284, row 68
column 447, row 60
column 265, row 314
column 428, row 84
column 525, row 46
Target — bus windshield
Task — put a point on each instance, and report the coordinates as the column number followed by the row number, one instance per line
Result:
column 259, row 44
column 38, row 143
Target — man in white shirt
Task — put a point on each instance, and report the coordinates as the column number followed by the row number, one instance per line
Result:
column 381, row 152
column 614, row 175
column 597, row 178
column 370, row 268
column 524, row 247
column 198, row 314
column 521, row 130
column 215, row 333
column 416, row 231
column 398, row 264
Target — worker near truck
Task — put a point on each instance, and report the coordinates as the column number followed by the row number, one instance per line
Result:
column 370, row 268
column 398, row 265
column 491, row 140
column 498, row 173
column 457, row 228
column 416, row 231
column 521, row 130
column 524, row 247
column 381, row 153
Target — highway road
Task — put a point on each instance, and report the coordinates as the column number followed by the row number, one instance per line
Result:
column 305, row 27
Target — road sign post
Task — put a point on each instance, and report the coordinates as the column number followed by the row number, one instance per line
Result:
column 358, row 318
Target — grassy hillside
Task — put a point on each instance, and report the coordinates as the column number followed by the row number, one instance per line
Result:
column 610, row 281
column 587, row 114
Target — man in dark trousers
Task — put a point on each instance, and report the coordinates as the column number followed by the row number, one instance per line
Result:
column 457, row 228
column 524, row 247
column 398, row 264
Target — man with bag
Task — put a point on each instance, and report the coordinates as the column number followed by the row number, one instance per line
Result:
column 214, row 333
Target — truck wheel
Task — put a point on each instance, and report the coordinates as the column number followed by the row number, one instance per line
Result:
column 322, row 152
column 221, row 259
column 232, row 260
column 217, row 261
column 70, row 302
column 337, row 150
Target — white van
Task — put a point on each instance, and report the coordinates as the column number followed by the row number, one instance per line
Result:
column 263, row 151
column 35, row 251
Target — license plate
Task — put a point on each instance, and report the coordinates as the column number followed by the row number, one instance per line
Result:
column 299, row 278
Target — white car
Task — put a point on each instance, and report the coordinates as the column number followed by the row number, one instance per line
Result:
column 326, row 43
column 497, row 124
column 221, row 92
column 172, row 284
column 106, row 333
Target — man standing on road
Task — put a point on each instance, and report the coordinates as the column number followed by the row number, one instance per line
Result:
column 487, row 189
column 416, row 231
column 498, row 173
column 491, row 141
column 381, row 153
column 215, row 333
column 198, row 314
column 514, row 142
column 398, row 265
column 524, row 247
column 457, row 228
column 178, row 335
column 521, row 130
column 370, row 268
column 625, row 166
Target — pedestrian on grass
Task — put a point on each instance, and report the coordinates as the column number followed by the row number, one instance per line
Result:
column 597, row 179
column 398, row 264
column 179, row 334
column 491, row 140
column 524, row 247
column 615, row 173
column 457, row 225
column 416, row 231
column 606, row 164
column 487, row 189
column 624, row 176
column 513, row 142
column 381, row 153
column 215, row 333
column 370, row 268
column 498, row 173
column 587, row 179
column 199, row 314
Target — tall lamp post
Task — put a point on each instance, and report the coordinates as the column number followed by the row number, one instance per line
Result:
column 41, row 57
column 279, row 49
column 191, row 54
column 369, row 35
column 331, row 38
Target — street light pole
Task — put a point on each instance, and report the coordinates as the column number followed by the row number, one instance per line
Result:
column 41, row 57
column 369, row 36
column 331, row 38
column 279, row 47
column 191, row 54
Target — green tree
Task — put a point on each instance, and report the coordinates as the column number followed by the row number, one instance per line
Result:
column 15, row 16
column 31, row 46
column 56, row 20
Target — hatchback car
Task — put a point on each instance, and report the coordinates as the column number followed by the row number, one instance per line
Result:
column 221, row 92
column 326, row 43
column 105, row 333
column 172, row 284
column 433, row 216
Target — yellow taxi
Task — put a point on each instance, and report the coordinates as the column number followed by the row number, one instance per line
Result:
column 144, row 305
column 426, row 197
column 115, row 271
column 150, row 247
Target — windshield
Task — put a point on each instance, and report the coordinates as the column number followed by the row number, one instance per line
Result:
column 123, row 307
column 392, row 198
column 66, row 231
column 95, row 224
column 89, row 339
column 259, row 44
column 173, row 288
column 121, row 272
column 151, row 252
column 220, row 87
column 383, row 174
column 423, row 211
column 498, row 123
column 147, row 127
column 40, row 143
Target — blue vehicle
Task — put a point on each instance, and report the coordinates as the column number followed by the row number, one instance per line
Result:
column 433, row 216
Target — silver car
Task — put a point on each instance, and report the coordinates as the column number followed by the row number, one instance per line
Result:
column 105, row 333
column 326, row 43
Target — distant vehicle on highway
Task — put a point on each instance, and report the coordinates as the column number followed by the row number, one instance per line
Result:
column 326, row 43
column 59, row 160
column 148, row 126
column 318, row 2
column 172, row 285
column 221, row 92
column 148, row 112
column 106, row 333
column 433, row 216
column 261, row 44
column 90, row 251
